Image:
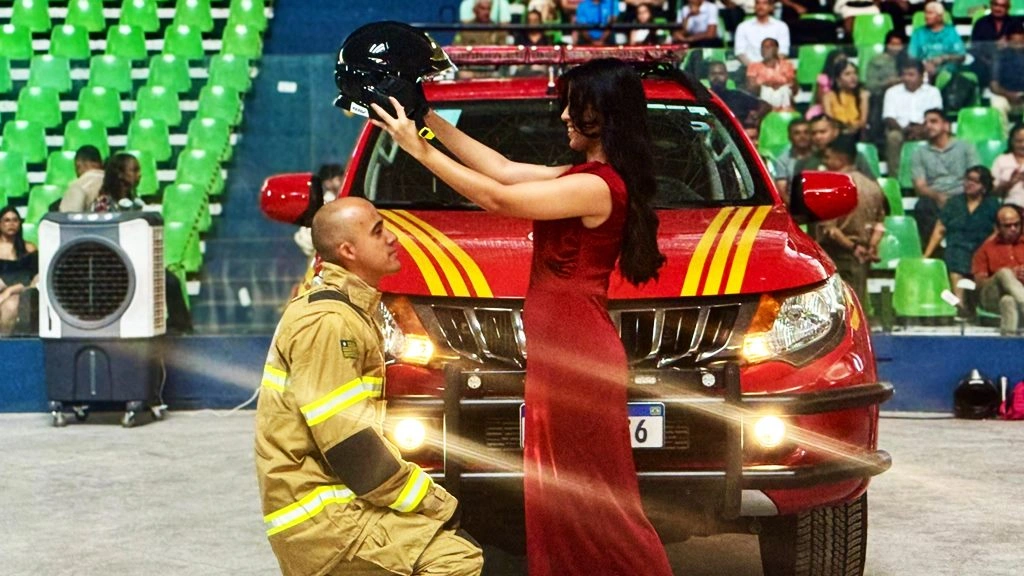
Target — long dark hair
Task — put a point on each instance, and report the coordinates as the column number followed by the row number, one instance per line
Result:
column 113, row 185
column 20, row 249
column 606, row 96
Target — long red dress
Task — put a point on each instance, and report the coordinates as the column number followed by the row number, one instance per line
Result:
column 583, row 510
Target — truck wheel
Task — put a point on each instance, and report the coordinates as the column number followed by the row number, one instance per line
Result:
column 829, row 541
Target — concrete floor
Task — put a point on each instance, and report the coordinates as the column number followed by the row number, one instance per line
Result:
column 179, row 498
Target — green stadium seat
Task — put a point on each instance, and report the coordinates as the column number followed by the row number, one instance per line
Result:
column 100, row 104
column 159, row 103
column 3, row 201
column 184, row 41
column 248, row 12
column 6, row 83
column 905, row 175
column 169, row 71
column 917, row 20
column 865, row 53
column 88, row 14
column 71, row 42
column 78, row 133
column 811, row 61
column 40, row 105
column 230, row 71
column 901, row 241
column 774, row 135
column 893, row 195
column 822, row 16
column 181, row 246
column 871, row 28
column 150, row 135
column 211, row 134
column 988, row 150
column 707, row 55
column 968, row 8
column 870, row 153
column 26, row 138
column 141, row 14
column 126, row 41
column 1016, row 7
column 13, row 174
column 979, row 123
column 15, row 42
column 39, row 200
column 201, row 169
column 220, row 102
column 241, row 40
column 188, row 203
column 920, row 284
column 149, row 185
column 32, row 14
column 111, row 71
column 195, row 14
column 60, row 168
column 49, row 71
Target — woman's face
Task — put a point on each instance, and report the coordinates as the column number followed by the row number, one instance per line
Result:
column 643, row 13
column 848, row 77
column 972, row 185
column 1017, row 143
column 577, row 140
column 131, row 174
column 10, row 224
column 894, row 46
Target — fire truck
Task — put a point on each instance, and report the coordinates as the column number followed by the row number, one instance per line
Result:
column 754, row 395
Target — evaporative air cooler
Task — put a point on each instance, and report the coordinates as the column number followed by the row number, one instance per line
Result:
column 101, row 312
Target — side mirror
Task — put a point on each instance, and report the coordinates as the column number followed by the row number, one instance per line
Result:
column 820, row 196
column 292, row 198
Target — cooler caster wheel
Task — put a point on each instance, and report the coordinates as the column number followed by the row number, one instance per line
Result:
column 159, row 412
column 128, row 420
column 81, row 413
column 59, row 421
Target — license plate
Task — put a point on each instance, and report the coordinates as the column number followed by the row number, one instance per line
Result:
column 646, row 424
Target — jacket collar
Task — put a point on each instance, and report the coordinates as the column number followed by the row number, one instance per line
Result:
column 359, row 292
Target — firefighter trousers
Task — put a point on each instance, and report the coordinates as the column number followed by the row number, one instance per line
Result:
column 449, row 553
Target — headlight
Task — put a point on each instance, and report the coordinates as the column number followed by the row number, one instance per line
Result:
column 769, row 431
column 795, row 327
column 407, row 347
column 409, row 434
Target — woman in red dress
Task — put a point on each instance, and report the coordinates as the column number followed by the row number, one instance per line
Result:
column 583, row 509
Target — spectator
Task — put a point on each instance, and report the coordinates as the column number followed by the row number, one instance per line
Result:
column 500, row 11
column 1008, row 74
column 823, row 83
column 549, row 10
column 82, row 192
column 884, row 69
column 852, row 241
column 747, row 108
column 628, row 9
column 331, row 177
column 641, row 36
column 532, row 36
column 598, row 13
column 19, row 265
column 773, row 79
column 750, row 33
column 899, row 10
column 698, row 24
column 937, row 44
column 998, row 268
column 848, row 101
column 799, row 148
column 964, row 222
column 903, row 111
column 808, row 31
column 481, row 17
column 988, row 32
column 1008, row 169
column 824, row 131
column 938, row 170
column 847, row 10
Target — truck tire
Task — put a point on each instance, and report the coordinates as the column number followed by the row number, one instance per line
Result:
column 830, row 541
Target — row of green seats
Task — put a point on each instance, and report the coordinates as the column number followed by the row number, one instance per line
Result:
column 34, row 15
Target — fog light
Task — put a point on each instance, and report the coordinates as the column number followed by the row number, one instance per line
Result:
column 770, row 431
column 756, row 348
column 417, row 349
column 409, row 434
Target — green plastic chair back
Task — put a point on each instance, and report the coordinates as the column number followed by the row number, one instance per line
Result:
column 871, row 28
column 1016, row 7
column 906, row 177
column 988, row 150
column 60, row 168
column 6, row 83
column 159, row 103
column 184, row 41
column 127, row 41
column 39, row 200
column 50, row 71
column 865, row 53
column 15, row 42
column 242, row 40
column 88, row 14
column 968, row 8
column 979, row 123
column 187, row 203
column 150, row 135
column 920, row 284
column 893, row 195
column 141, row 14
column 13, row 174
column 39, row 104
column 169, row 71
column 78, row 133
column 212, row 135
column 774, row 135
column 26, row 138
column 901, row 241
column 181, row 246
column 220, row 102
column 811, row 61
column 248, row 12
column 230, row 71
column 822, row 16
column 196, row 167
column 111, row 71
column 194, row 13
column 917, row 20
column 870, row 153
column 32, row 14
column 149, row 184
column 100, row 104
column 71, row 42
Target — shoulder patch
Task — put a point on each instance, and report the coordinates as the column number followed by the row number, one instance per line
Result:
column 349, row 349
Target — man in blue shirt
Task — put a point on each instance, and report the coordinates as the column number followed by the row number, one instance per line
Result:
column 936, row 43
column 598, row 12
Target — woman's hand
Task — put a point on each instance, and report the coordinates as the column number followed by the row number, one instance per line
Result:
column 400, row 128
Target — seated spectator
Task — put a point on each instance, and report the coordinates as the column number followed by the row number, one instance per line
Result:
column 987, row 33
column 936, row 44
column 549, row 10
column 808, row 31
column 903, row 111
column 597, row 13
column 900, row 11
column 1008, row 74
column 848, row 102
column 533, row 36
column 82, row 191
column 698, row 24
column 642, row 36
column 19, row 265
column 500, row 11
column 938, row 170
column 751, row 33
column 1008, row 169
column 824, row 131
column 747, row 108
column 847, row 10
column 823, row 83
column 628, row 9
column 799, row 148
column 852, row 241
column 965, row 222
column 482, row 17
column 773, row 79
column 999, row 272
column 331, row 177
column 884, row 69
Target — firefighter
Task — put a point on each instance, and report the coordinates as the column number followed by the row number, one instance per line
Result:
column 337, row 496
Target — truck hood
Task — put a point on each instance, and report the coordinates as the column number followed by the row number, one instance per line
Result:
column 711, row 252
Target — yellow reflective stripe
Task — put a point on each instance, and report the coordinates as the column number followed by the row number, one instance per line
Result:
column 341, row 398
column 718, row 261
column 447, row 266
column 306, row 508
column 739, row 261
column 414, row 491
column 274, row 378
column 476, row 277
column 427, row 269
column 700, row 253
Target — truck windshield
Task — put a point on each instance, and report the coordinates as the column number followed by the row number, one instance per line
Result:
column 696, row 156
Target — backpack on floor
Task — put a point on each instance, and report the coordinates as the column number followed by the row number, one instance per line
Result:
column 1013, row 407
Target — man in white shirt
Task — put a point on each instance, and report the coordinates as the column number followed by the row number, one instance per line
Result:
column 501, row 12
column 903, row 108
column 82, row 191
column 751, row 33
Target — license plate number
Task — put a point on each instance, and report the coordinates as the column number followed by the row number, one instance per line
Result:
column 646, row 424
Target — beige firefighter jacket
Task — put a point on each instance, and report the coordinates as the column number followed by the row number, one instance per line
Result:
column 323, row 382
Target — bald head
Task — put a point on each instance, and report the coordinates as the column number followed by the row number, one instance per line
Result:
column 350, row 233
column 333, row 224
